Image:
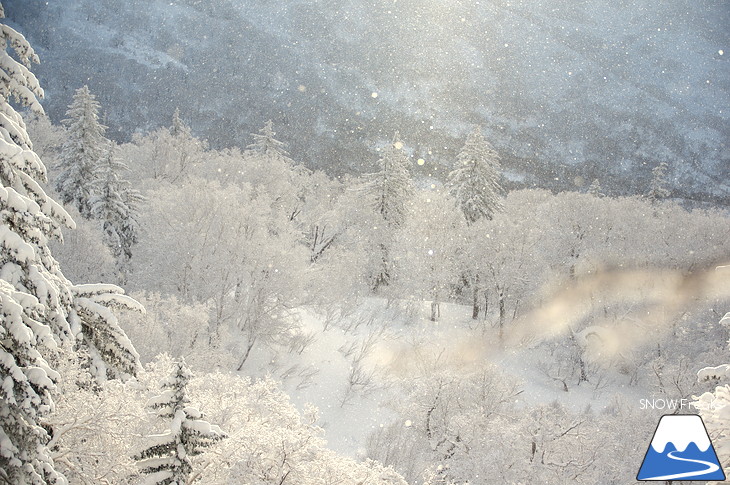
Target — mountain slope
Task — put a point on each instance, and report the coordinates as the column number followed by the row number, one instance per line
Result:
column 567, row 91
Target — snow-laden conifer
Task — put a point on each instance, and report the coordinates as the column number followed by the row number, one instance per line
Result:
column 388, row 192
column 293, row 179
column 178, row 128
column 264, row 144
column 658, row 187
column 112, row 353
column 116, row 205
column 33, row 295
column 39, row 306
column 390, row 188
column 167, row 460
column 25, row 394
column 82, row 152
column 595, row 189
column 475, row 182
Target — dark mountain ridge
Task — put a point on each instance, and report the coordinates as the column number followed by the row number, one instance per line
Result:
column 566, row 91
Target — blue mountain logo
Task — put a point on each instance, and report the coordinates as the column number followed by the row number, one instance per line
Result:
column 681, row 450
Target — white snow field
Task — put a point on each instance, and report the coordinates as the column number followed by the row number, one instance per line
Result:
column 387, row 343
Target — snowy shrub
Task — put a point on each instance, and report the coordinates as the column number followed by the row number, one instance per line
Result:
column 269, row 441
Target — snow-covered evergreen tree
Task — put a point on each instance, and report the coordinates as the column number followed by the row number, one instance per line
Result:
column 477, row 191
column 82, row 152
column 178, row 128
column 475, row 181
column 39, row 305
column 32, row 290
column 595, row 189
column 112, row 353
column 264, row 144
column 291, row 184
column 390, row 189
column 25, row 396
column 116, row 205
column 167, row 460
column 658, row 187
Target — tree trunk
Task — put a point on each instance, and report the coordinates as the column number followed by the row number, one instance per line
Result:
column 583, row 376
column 383, row 276
column 502, row 313
column 582, row 365
column 246, row 354
column 486, row 305
column 475, row 298
column 435, row 311
column 534, row 450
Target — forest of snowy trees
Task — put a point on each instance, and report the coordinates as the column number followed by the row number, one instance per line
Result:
column 162, row 304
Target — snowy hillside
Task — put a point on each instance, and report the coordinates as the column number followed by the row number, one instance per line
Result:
column 355, row 372
column 566, row 91
column 428, row 310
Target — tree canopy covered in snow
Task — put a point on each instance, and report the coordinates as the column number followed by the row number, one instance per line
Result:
column 475, row 180
column 82, row 152
column 167, row 459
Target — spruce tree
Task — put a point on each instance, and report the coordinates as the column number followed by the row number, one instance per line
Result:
column 116, row 205
column 595, row 189
column 33, row 294
column 475, row 182
column 477, row 191
column 178, row 128
column 82, row 152
column 658, row 187
column 167, row 460
column 98, row 331
column 388, row 191
column 40, row 308
column 265, row 145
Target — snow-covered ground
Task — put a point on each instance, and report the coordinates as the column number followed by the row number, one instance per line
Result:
column 381, row 344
